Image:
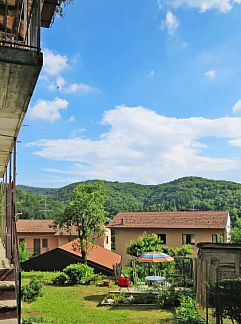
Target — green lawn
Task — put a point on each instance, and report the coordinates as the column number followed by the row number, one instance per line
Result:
column 78, row 304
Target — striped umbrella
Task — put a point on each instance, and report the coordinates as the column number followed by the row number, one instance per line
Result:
column 154, row 257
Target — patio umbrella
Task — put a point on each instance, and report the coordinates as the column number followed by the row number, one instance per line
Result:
column 154, row 257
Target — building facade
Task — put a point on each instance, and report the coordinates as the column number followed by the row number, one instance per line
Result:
column 40, row 235
column 173, row 228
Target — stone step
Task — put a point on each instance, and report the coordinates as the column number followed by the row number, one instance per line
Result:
column 7, row 285
column 8, row 314
column 7, row 274
column 8, row 304
column 8, row 309
column 9, row 321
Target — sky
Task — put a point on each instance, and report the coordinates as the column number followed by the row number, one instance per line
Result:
column 142, row 91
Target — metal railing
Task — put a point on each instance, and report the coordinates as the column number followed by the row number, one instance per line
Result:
column 20, row 22
column 9, row 232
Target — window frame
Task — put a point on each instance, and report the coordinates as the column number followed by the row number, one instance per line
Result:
column 218, row 239
column 191, row 240
column 47, row 243
column 160, row 236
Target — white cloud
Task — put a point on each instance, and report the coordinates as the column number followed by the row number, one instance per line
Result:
column 171, row 23
column 54, row 64
column 71, row 119
column 60, row 82
column 150, row 74
column 237, row 107
column 48, row 110
column 77, row 132
column 62, row 86
column 77, row 87
column 143, row 146
column 211, row 74
column 204, row 5
column 159, row 4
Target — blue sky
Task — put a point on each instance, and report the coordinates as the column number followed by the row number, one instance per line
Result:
column 144, row 91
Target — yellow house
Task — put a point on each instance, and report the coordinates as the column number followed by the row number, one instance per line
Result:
column 173, row 228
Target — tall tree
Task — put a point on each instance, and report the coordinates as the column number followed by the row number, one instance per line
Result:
column 236, row 233
column 86, row 211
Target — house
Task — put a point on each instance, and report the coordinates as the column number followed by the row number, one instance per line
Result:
column 99, row 258
column 173, row 228
column 40, row 235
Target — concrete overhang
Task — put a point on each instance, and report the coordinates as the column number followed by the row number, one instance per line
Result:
column 47, row 13
column 19, row 71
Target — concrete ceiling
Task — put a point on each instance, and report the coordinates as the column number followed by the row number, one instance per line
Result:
column 19, row 71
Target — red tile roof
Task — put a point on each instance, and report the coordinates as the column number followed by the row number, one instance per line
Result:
column 186, row 219
column 42, row 226
column 96, row 254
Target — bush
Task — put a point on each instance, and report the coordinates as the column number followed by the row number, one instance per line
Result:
column 118, row 298
column 79, row 274
column 187, row 312
column 24, row 255
column 168, row 297
column 32, row 320
column 32, row 291
column 146, row 298
column 76, row 274
column 61, row 279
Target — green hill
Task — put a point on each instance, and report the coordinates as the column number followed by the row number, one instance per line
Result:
column 183, row 194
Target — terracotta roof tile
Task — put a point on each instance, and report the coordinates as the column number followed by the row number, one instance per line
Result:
column 42, row 226
column 96, row 254
column 189, row 219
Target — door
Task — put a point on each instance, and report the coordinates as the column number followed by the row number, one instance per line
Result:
column 36, row 246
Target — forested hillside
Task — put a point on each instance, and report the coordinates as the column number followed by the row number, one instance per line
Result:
column 182, row 194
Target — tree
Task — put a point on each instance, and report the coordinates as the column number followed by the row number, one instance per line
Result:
column 61, row 4
column 86, row 211
column 236, row 232
column 144, row 243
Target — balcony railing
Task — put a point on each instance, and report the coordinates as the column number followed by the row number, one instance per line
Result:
column 20, row 22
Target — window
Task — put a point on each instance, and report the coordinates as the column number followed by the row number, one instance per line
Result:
column 107, row 239
column 188, row 238
column 163, row 238
column 44, row 243
column 216, row 238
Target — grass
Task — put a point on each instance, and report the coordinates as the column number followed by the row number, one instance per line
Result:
column 79, row 304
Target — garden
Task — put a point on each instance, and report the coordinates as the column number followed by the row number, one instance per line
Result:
column 78, row 295
column 80, row 304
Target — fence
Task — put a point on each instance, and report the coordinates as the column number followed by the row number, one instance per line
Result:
column 210, row 276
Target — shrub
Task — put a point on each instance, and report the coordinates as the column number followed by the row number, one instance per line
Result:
column 146, row 298
column 32, row 320
column 32, row 291
column 79, row 274
column 187, row 312
column 118, row 298
column 24, row 255
column 168, row 297
column 61, row 279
